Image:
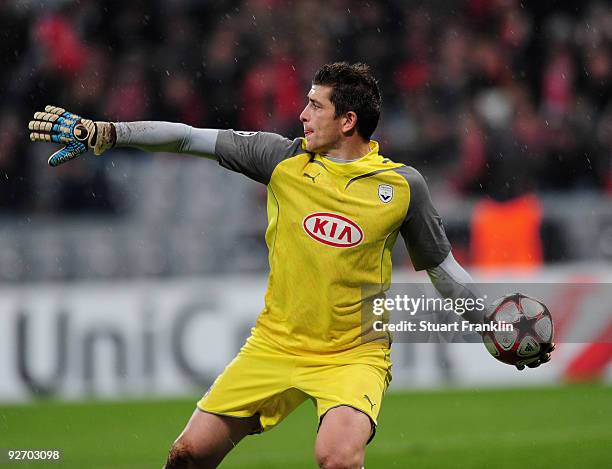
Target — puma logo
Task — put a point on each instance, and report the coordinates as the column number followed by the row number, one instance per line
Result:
column 311, row 177
column 369, row 401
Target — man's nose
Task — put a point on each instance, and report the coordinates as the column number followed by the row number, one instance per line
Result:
column 303, row 116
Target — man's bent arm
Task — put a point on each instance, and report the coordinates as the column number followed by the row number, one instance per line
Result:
column 429, row 247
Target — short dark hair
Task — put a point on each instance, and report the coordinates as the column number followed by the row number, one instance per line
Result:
column 354, row 88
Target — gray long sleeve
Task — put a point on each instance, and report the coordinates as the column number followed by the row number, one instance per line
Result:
column 254, row 154
column 157, row 136
column 452, row 281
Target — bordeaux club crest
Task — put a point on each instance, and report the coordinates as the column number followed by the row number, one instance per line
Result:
column 385, row 193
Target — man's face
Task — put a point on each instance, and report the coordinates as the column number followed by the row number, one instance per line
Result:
column 321, row 128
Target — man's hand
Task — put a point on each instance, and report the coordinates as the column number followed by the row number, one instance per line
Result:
column 537, row 361
column 60, row 126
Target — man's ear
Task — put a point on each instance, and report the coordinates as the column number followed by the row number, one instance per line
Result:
column 349, row 122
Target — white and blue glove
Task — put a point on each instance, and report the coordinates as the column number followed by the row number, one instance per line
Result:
column 77, row 134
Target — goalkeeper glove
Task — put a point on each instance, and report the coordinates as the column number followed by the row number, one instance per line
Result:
column 60, row 126
column 542, row 358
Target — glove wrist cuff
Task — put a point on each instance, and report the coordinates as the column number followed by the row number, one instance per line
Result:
column 104, row 138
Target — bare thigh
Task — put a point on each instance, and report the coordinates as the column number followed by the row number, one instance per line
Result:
column 342, row 438
column 207, row 438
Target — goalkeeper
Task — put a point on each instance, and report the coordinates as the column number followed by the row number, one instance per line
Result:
column 335, row 209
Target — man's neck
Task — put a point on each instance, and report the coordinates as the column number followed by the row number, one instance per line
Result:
column 350, row 150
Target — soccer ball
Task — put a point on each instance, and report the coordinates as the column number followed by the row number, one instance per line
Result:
column 532, row 330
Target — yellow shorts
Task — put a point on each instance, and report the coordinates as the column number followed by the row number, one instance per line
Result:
column 269, row 383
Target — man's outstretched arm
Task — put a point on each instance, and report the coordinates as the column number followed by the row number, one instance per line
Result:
column 254, row 154
column 57, row 125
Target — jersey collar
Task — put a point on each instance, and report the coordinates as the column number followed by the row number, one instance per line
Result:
column 349, row 164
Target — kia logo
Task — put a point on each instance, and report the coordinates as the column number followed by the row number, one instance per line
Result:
column 333, row 230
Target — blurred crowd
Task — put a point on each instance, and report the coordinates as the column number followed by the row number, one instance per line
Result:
column 485, row 97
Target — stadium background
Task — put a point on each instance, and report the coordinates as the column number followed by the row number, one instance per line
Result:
column 129, row 281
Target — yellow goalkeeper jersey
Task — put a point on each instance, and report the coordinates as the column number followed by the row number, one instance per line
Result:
column 331, row 229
